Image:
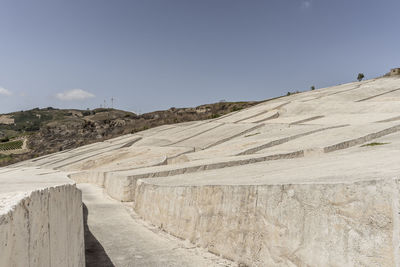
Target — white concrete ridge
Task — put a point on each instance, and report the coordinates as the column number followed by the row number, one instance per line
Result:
column 40, row 219
column 311, row 179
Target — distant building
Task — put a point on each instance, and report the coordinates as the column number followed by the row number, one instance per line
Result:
column 395, row 71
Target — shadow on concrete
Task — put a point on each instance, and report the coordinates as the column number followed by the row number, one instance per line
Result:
column 95, row 254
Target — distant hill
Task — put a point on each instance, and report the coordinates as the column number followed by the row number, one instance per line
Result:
column 50, row 130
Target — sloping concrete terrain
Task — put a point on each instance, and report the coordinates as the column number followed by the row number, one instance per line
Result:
column 310, row 179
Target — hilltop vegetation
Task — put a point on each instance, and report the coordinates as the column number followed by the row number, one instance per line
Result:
column 50, row 130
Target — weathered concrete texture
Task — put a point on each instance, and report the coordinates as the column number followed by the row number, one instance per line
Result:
column 43, row 228
column 282, row 225
column 310, row 179
column 121, row 185
column 132, row 243
column 128, row 158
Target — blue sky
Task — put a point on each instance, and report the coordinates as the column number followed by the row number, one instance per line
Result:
column 156, row 54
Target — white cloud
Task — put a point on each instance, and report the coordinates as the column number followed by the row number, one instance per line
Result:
column 74, row 94
column 306, row 4
column 4, row 91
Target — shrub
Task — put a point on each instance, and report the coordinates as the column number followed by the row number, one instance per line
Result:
column 86, row 113
column 374, row 144
column 236, row 108
column 360, row 77
column 4, row 139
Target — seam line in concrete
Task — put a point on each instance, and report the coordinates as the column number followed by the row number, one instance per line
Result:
column 361, row 140
column 306, row 120
column 234, row 136
column 187, row 138
column 374, row 96
column 218, row 165
column 284, row 140
column 390, row 119
column 275, row 116
column 263, row 112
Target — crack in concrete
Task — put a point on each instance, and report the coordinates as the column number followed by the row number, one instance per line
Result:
column 285, row 140
column 374, row 96
column 361, row 140
column 187, row 138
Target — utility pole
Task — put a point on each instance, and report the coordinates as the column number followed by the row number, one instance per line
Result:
column 105, row 104
column 112, row 102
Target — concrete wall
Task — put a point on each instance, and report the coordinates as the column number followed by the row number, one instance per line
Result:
column 122, row 185
column 119, row 187
column 354, row 224
column 44, row 229
column 92, row 177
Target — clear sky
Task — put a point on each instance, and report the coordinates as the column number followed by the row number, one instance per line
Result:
column 157, row 54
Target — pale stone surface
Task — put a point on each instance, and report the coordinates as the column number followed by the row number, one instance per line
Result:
column 282, row 225
column 40, row 220
column 132, row 243
column 284, row 183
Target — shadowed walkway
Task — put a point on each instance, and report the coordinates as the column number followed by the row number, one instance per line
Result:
column 95, row 254
column 114, row 238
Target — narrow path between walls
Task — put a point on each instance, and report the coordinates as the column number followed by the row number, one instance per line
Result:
column 115, row 236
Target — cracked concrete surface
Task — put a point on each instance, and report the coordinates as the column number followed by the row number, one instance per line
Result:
column 283, row 183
